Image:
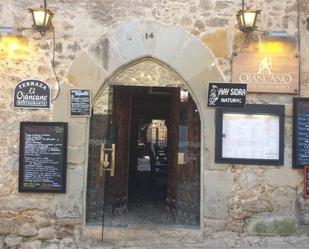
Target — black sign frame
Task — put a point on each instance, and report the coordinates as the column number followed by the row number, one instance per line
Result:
column 251, row 109
column 32, row 91
column 77, row 113
column 226, row 95
column 297, row 104
column 23, row 126
column 306, row 182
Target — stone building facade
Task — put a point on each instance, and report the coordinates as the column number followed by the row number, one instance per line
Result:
column 97, row 40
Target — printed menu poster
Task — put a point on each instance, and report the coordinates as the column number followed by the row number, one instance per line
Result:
column 254, row 136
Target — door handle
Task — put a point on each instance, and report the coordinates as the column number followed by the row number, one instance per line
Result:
column 105, row 164
column 113, row 160
column 102, row 158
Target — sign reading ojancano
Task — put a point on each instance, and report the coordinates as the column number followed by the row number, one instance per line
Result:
column 34, row 94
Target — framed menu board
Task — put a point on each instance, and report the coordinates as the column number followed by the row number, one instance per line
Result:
column 42, row 157
column 300, row 132
column 250, row 135
column 80, row 102
column 306, row 182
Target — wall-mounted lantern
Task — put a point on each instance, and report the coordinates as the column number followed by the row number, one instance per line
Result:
column 247, row 18
column 42, row 18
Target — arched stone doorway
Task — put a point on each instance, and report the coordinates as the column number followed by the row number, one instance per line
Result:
column 148, row 125
column 184, row 54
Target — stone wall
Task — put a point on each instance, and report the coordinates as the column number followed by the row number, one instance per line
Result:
column 254, row 200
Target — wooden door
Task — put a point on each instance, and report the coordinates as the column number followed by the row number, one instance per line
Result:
column 107, row 192
column 172, row 137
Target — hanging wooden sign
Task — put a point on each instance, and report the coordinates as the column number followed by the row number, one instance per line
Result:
column 33, row 94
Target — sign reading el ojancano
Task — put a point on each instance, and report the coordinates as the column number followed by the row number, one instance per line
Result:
column 34, row 94
column 42, row 157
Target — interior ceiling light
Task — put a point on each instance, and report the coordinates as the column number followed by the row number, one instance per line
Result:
column 246, row 19
column 42, row 18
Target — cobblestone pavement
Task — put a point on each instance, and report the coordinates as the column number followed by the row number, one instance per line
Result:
column 217, row 241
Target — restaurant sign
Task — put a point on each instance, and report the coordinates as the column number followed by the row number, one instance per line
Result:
column 226, row 95
column 33, row 94
column 275, row 73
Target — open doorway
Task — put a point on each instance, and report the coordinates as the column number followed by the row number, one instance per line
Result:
column 155, row 179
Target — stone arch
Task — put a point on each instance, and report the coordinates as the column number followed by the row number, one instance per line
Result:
column 187, row 56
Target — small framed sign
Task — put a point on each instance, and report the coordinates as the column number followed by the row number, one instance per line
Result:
column 33, row 94
column 253, row 135
column 80, row 102
column 300, row 132
column 306, row 182
column 42, row 157
column 226, row 95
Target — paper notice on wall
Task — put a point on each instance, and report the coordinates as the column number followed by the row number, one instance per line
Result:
column 253, row 136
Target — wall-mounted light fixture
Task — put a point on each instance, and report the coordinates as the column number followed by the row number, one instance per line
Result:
column 247, row 18
column 42, row 18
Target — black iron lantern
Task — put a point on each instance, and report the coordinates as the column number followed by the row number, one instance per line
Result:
column 42, row 18
column 247, row 18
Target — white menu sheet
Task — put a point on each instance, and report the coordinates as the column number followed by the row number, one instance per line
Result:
column 250, row 136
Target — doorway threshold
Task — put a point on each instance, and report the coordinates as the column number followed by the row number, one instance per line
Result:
column 145, row 235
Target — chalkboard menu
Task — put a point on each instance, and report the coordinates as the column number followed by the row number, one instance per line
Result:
column 80, row 102
column 42, row 157
column 300, row 132
column 306, row 182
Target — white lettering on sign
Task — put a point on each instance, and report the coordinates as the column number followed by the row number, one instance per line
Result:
column 237, row 92
column 32, row 83
column 224, row 91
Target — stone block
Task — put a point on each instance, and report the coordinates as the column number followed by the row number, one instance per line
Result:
column 192, row 59
column 283, row 177
column 199, row 84
column 32, row 245
column 169, row 43
column 115, row 59
column 86, row 73
column 67, row 243
column 283, row 199
column 46, row 233
column 272, row 224
column 304, row 218
column 215, row 225
column 27, row 230
column 218, row 42
column 76, row 135
column 41, row 221
column 130, row 41
column 76, row 155
column 217, row 188
column 52, row 246
column 150, row 34
column 6, row 226
column 12, row 241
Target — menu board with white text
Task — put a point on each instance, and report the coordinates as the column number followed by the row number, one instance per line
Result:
column 42, row 157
